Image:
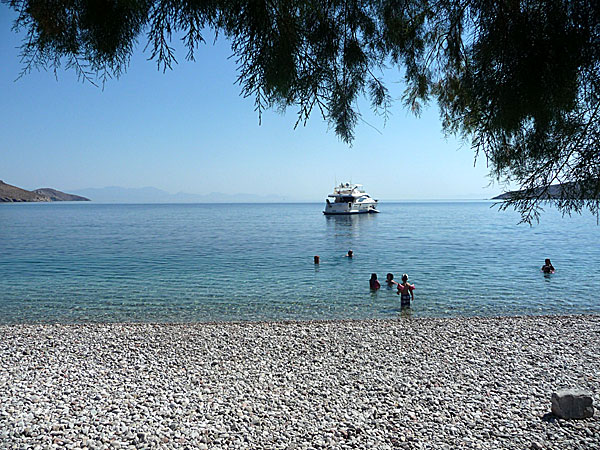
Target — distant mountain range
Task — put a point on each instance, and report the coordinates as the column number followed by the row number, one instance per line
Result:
column 10, row 193
column 115, row 194
column 555, row 191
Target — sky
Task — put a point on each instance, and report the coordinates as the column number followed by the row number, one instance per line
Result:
column 189, row 130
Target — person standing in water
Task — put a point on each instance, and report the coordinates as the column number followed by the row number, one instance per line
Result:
column 405, row 291
column 373, row 283
column 548, row 267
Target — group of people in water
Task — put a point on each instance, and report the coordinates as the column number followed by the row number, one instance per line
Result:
column 405, row 289
column 317, row 258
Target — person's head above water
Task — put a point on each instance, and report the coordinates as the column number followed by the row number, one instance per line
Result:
column 350, row 253
column 404, row 278
column 317, row 259
column 547, row 262
column 389, row 277
column 373, row 276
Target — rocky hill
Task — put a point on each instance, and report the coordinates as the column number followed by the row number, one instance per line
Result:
column 58, row 196
column 10, row 193
column 555, row 191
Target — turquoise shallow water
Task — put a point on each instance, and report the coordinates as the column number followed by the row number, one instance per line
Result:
column 64, row 262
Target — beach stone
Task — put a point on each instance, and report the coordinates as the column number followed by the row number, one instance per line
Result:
column 323, row 385
column 572, row 404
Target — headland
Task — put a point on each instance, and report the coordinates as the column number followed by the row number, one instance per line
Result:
column 11, row 194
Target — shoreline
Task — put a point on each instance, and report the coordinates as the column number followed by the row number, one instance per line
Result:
column 461, row 382
column 403, row 317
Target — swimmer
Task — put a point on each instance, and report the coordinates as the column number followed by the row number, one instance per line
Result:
column 548, row 267
column 389, row 279
column 373, row 283
column 349, row 254
column 405, row 291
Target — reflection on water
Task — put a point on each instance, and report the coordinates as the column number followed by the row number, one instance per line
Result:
column 351, row 226
column 406, row 313
column 349, row 221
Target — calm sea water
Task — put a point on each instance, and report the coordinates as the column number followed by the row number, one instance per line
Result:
column 92, row 262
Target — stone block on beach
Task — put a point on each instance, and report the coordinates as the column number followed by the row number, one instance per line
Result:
column 572, row 404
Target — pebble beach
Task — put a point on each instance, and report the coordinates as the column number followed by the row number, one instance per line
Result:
column 476, row 383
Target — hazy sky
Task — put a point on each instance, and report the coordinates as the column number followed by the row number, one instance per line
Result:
column 190, row 130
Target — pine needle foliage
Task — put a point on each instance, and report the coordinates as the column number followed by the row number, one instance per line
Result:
column 518, row 79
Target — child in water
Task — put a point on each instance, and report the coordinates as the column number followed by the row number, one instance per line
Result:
column 405, row 291
column 373, row 283
column 389, row 279
column 548, row 267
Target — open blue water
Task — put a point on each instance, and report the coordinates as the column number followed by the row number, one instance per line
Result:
column 63, row 262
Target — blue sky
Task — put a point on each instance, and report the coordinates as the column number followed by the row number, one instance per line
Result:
column 189, row 130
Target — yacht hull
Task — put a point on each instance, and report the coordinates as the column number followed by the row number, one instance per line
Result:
column 349, row 213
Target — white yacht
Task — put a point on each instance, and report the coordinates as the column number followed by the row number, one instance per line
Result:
column 350, row 198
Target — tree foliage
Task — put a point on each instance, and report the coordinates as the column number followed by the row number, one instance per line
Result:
column 518, row 78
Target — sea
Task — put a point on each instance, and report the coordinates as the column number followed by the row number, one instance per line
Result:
column 86, row 262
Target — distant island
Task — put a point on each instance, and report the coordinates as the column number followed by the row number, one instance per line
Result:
column 10, row 194
column 555, row 191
